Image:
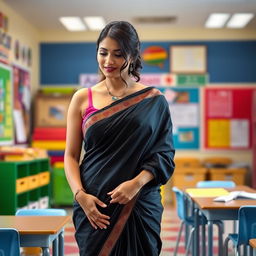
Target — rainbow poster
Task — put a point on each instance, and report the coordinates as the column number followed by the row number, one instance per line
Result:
column 155, row 56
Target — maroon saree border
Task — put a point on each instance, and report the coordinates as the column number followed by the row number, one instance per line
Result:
column 118, row 107
column 118, row 228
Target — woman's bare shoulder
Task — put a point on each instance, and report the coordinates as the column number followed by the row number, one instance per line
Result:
column 81, row 93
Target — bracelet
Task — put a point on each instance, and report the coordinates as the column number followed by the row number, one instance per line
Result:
column 80, row 189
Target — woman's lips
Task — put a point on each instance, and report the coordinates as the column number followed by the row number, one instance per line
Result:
column 109, row 69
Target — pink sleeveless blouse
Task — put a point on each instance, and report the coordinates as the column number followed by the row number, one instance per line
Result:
column 90, row 109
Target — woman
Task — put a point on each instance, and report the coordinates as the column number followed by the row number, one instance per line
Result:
column 127, row 133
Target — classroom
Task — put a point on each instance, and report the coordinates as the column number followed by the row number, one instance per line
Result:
column 155, row 87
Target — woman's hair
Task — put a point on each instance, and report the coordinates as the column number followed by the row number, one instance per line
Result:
column 126, row 36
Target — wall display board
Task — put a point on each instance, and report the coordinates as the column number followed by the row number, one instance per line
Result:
column 254, row 138
column 184, row 108
column 228, row 118
column 6, row 110
column 22, row 104
column 188, row 59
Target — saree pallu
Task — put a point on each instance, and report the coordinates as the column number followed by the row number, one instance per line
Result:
column 120, row 140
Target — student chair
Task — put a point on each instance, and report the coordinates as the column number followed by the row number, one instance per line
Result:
column 9, row 242
column 57, row 244
column 182, row 211
column 246, row 229
column 216, row 184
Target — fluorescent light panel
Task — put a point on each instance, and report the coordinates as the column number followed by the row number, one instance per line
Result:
column 217, row 20
column 95, row 22
column 73, row 23
column 239, row 20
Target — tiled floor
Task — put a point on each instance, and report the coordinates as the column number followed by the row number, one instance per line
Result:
column 170, row 228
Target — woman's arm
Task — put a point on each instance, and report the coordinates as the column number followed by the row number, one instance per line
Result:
column 128, row 189
column 71, row 162
column 73, row 143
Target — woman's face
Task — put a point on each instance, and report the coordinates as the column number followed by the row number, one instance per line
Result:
column 110, row 59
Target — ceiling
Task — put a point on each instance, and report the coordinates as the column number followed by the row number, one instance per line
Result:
column 44, row 14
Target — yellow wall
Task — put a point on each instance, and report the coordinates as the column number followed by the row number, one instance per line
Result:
column 155, row 34
column 27, row 35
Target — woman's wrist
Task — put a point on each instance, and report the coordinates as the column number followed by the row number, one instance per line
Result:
column 78, row 191
column 143, row 178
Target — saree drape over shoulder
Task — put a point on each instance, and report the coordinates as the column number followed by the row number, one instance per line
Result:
column 120, row 140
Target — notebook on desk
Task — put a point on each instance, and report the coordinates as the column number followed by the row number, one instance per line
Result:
column 207, row 192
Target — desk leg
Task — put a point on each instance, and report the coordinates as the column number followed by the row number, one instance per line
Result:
column 61, row 243
column 203, row 241
column 46, row 251
column 210, row 238
column 55, row 247
column 196, row 234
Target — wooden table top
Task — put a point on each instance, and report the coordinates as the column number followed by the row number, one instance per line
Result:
column 208, row 203
column 252, row 242
column 34, row 224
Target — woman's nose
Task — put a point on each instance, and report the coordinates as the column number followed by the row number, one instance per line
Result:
column 109, row 59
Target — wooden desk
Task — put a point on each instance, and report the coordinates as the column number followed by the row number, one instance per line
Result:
column 217, row 211
column 38, row 231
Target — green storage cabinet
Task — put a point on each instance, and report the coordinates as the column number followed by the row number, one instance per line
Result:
column 24, row 184
column 61, row 192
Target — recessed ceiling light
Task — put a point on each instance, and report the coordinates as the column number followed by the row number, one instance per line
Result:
column 72, row 23
column 95, row 22
column 217, row 20
column 240, row 20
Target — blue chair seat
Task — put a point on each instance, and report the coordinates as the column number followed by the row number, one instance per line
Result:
column 216, row 184
column 10, row 242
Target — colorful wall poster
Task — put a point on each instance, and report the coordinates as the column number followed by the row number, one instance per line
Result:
column 184, row 108
column 228, row 116
column 6, row 109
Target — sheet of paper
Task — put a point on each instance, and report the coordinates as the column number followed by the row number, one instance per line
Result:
column 239, row 133
column 19, row 126
column 206, row 192
column 218, row 132
column 184, row 115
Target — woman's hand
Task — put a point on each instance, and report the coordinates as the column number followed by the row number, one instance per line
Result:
column 124, row 192
column 88, row 203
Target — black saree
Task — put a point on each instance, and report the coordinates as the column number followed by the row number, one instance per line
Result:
column 120, row 140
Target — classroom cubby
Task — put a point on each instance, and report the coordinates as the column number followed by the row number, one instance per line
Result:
column 24, row 184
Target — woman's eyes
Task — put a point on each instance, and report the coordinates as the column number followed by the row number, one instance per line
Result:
column 105, row 54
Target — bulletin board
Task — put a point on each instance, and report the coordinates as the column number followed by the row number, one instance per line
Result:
column 6, row 106
column 228, row 118
column 185, row 112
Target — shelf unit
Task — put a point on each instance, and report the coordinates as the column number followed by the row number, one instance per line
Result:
column 24, row 184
